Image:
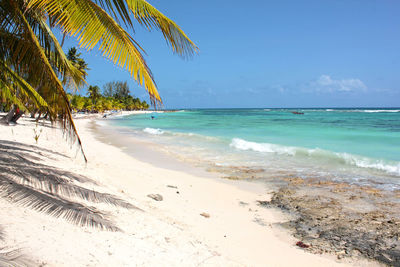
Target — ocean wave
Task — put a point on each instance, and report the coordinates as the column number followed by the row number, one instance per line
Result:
column 364, row 162
column 195, row 135
column 262, row 147
column 390, row 167
column 368, row 110
column 355, row 110
column 100, row 123
column 380, row 110
column 153, row 131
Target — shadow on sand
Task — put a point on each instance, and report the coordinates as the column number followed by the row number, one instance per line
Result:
column 25, row 181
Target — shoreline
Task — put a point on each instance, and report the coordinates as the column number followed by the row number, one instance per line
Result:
column 335, row 217
column 171, row 232
column 112, row 114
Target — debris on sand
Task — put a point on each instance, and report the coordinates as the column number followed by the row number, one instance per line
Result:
column 205, row 215
column 156, row 197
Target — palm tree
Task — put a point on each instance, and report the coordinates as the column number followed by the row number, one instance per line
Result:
column 34, row 72
column 75, row 57
column 78, row 62
column 33, row 65
column 94, row 93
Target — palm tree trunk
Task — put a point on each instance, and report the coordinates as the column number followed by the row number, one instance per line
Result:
column 7, row 119
column 38, row 117
column 16, row 116
column 33, row 113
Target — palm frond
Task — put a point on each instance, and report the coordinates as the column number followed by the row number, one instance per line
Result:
column 7, row 93
column 92, row 25
column 25, row 88
column 72, row 76
column 150, row 17
column 17, row 50
column 57, row 92
column 38, row 63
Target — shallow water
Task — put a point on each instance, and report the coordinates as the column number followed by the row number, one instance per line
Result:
column 360, row 146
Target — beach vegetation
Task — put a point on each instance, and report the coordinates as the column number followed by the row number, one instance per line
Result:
column 34, row 70
column 94, row 94
column 116, row 96
column 37, row 132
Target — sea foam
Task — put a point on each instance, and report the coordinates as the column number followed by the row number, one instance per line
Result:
column 391, row 167
column 153, row 131
column 380, row 110
column 262, row 147
column 364, row 162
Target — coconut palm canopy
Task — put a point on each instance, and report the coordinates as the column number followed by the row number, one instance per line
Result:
column 35, row 70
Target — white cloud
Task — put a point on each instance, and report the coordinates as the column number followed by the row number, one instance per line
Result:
column 326, row 84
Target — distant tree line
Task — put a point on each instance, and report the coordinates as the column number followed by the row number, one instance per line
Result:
column 116, row 96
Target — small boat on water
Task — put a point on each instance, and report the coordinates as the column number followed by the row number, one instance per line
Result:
column 297, row 113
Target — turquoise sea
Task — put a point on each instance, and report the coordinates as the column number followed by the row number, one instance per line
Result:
column 354, row 145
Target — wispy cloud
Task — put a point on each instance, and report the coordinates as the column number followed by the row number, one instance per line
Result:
column 326, row 84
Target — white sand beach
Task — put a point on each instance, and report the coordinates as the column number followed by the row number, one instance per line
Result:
column 130, row 228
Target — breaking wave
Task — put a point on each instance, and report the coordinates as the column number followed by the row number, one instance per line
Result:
column 391, row 167
column 366, row 110
column 380, row 110
column 153, row 131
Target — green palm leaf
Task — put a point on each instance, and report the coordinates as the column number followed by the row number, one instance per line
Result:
column 60, row 102
column 25, row 88
column 150, row 17
column 72, row 75
column 7, row 93
column 92, row 25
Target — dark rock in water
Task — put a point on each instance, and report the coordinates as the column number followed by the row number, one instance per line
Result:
column 156, row 197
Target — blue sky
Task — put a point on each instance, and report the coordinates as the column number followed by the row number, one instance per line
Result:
column 331, row 53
